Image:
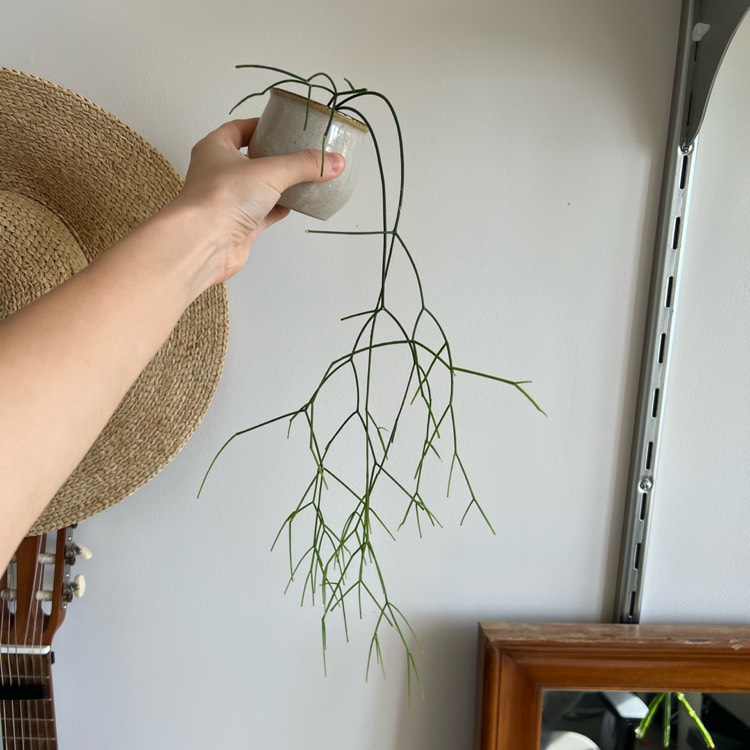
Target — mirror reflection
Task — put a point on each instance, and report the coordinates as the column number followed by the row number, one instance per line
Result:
column 612, row 720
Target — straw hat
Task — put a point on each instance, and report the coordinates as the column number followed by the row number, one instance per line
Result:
column 74, row 180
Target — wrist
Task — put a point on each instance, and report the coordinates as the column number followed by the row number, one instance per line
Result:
column 185, row 244
column 214, row 244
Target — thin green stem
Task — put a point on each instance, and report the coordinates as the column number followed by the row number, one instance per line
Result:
column 340, row 512
column 700, row 726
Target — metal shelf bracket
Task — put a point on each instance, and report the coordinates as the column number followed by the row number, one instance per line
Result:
column 707, row 27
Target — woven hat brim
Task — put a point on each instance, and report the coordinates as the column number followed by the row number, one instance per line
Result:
column 100, row 179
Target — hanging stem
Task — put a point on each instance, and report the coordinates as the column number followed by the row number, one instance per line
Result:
column 665, row 700
column 339, row 561
column 700, row 726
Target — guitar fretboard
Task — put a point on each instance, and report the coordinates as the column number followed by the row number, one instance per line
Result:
column 27, row 713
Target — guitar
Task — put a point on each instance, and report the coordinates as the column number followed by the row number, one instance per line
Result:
column 35, row 592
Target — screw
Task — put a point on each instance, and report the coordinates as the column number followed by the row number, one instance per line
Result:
column 646, row 484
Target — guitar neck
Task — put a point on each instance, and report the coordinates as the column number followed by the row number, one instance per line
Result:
column 34, row 592
column 27, row 708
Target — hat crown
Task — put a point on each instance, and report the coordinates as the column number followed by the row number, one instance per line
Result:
column 37, row 251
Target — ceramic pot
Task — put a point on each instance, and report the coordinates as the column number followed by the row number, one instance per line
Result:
column 282, row 129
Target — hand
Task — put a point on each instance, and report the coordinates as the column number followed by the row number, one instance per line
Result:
column 75, row 351
column 239, row 194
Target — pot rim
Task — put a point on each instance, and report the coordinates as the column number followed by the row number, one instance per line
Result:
column 353, row 121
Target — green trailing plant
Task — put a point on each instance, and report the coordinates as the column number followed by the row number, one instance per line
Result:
column 338, row 563
column 665, row 701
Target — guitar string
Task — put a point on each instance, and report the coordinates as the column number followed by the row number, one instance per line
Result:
column 38, row 629
column 41, row 661
column 58, row 540
column 10, row 661
column 9, row 579
column 37, row 639
column 40, row 728
column 12, row 586
column 20, row 676
column 19, row 657
column 9, row 654
column 30, row 635
column 32, row 706
column 18, row 667
column 37, row 632
column 4, row 606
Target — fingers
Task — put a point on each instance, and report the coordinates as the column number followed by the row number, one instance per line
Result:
column 301, row 166
column 277, row 213
column 282, row 171
column 238, row 132
column 247, row 190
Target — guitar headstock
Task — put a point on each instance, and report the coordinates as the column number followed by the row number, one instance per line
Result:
column 36, row 588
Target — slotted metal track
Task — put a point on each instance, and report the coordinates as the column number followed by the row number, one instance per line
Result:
column 706, row 30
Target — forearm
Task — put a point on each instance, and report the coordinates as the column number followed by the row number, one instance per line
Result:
column 69, row 358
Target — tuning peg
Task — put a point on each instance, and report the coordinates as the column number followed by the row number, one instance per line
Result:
column 44, row 596
column 8, row 595
column 77, row 588
column 76, row 549
column 82, row 551
column 46, row 558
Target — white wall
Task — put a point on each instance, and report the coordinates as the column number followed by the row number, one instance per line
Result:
column 535, row 136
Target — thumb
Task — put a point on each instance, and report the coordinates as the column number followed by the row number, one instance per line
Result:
column 310, row 165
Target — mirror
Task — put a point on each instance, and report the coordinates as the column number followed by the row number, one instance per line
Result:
column 519, row 664
column 609, row 720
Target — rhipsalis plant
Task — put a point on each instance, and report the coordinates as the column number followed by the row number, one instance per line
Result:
column 337, row 562
column 665, row 701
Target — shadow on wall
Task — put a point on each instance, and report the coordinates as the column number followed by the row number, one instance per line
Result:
column 619, row 54
column 444, row 718
column 606, row 47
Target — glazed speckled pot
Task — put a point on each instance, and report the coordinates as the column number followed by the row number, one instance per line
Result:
column 288, row 124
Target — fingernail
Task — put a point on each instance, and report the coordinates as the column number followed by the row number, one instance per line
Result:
column 336, row 161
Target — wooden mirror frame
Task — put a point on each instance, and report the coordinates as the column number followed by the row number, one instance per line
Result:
column 518, row 661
